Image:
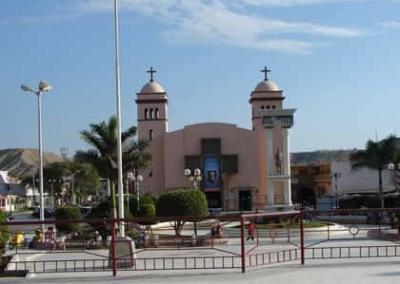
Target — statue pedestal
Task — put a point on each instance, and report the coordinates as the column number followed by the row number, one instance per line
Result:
column 125, row 255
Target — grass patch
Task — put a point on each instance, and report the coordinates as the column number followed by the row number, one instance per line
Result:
column 294, row 225
column 307, row 224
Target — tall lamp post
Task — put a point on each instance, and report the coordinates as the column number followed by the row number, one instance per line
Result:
column 137, row 179
column 194, row 177
column 43, row 88
column 336, row 176
column 396, row 169
column 118, row 111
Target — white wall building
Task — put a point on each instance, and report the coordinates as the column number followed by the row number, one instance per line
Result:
column 13, row 195
column 363, row 180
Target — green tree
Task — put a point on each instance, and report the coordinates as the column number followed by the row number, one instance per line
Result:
column 82, row 179
column 4, row 235
column 182, row 203
column 70, row 214
column 376, row 156
column 103, row 156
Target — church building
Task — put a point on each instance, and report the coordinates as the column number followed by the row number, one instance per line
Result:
column 240, row 169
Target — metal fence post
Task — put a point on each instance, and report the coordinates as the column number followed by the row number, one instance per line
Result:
column 301, row 238
column 114, row 264
column 242, row 245
column 328, row 231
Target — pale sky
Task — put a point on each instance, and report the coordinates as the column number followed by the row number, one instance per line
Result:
column 336, row 60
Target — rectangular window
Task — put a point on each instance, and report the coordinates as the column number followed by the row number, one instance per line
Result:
column 151, row 134
column 211, row 146
column 229, row 164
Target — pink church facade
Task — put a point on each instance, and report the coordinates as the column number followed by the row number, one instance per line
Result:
column 237, row 170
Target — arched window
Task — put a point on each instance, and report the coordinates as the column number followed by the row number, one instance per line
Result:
column 151, row 134
column 267, row 106
column 151, row 114
column 273, row 107
column 157, row 113
column 262, row 107
column 146, row 114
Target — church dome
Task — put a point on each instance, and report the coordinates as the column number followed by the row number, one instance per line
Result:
column 267, row 86
column 152, row 87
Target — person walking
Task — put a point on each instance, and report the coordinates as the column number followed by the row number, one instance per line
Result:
column 250, row 230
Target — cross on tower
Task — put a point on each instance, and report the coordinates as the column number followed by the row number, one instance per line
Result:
column 151, row 71
column 265, row 71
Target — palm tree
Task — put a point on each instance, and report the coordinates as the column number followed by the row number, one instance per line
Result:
column 103, row 138
column 376, row 156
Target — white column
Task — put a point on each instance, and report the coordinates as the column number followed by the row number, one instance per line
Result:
column 286, row 167
column 271, row 193
column 270, row 165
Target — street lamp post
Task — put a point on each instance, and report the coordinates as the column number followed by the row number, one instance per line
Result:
column 396, row 169
column 336, row 176
column 195, row 178
column 43, row 88
column 52, row 182
column 137, row 179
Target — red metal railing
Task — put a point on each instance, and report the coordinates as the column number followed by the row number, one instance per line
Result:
column 299, row 244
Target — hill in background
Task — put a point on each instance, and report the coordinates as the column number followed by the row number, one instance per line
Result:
column 22, row 162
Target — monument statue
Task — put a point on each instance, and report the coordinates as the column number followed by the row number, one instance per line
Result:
column 278, row 161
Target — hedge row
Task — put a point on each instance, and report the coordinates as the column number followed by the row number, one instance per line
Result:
column 368, row 201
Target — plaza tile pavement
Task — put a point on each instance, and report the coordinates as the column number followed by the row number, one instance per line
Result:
column 369, row 271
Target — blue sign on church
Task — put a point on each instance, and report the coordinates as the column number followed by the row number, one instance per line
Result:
column 211, row 174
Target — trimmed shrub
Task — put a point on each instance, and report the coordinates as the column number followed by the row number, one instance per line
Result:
column 144, row 199
column 104, row 211
column 181, row 203
column 359, row 201
column 147, row 210
column 71, row 214
column 392, row 201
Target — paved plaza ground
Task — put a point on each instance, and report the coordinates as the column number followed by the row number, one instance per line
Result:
column 366, row 271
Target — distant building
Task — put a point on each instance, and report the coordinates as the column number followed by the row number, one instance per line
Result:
column 360, row 181
column 314, row 181
column 13, row 195
column 316, row 177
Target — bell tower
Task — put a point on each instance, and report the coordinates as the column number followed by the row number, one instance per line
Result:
column 272, row 123
column 152, row 122
column 152, row 111
column 267, row 95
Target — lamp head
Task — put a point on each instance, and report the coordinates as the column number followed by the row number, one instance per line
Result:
column 26, row 88
column 130, row 175
column 187, row 172
column 44, row 86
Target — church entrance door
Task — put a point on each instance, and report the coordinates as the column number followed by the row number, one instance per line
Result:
column 213, row 199
column 245, row 200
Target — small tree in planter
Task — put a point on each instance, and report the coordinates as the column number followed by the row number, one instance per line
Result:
column 70, row 214
column 180, row 203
